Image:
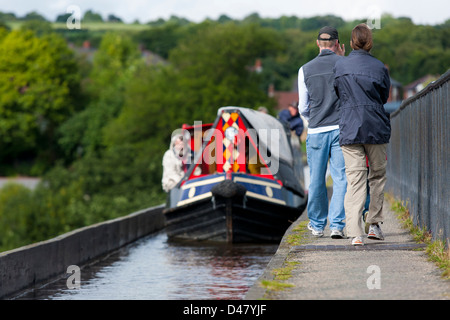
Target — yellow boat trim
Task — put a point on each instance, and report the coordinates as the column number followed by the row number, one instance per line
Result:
column 261, row 183
column 261, row 197
column 202, row 183
column 200, row 197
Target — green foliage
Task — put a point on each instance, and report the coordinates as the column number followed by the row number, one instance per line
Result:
column 63, row 17
column 33, row 16
column 15, row 205
column 412, row 51
column 281, row 69
column 161, row 39
column 90, row 16
column 214, row 68
column 151, row 108
column 317, row 22
column 113, row 67
column 40, row 27
column 39, row 85
column 437, row 249
column 7, row 16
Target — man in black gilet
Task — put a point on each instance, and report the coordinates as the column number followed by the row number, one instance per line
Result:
column 318, row 103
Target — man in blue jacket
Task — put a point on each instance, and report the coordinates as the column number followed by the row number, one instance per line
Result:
column 318, row 103
column 292, row 119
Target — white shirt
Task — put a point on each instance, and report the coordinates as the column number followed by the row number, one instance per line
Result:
column 303, row 104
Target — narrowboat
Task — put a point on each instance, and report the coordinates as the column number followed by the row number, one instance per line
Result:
column 243, row 184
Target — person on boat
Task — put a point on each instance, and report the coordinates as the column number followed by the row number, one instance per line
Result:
column 318, row 104
column 263, row 110
column 173, row 167
column 292, row 118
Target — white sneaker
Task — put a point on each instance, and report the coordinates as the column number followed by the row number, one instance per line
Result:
column 316, row 233
column 337, row 234
column 375, row 232
column 357, row 241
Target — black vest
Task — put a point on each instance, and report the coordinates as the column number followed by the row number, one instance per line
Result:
column 319, row 80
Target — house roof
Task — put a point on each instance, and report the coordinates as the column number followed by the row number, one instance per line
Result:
column 414, row 84
column 284, row 98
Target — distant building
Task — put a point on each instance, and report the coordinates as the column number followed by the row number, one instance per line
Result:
column 396, row 91
column 257, row 67
column 414, row 87
column 283, row 98
column 395, row 96
column 87, row 51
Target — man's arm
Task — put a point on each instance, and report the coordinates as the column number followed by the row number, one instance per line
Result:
column 303, row 96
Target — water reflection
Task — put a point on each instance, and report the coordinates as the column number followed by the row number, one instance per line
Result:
column 154, row 268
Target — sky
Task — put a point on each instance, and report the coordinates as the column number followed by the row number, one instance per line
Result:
column 420, row 11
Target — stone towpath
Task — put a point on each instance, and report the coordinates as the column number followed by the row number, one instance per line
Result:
column 325, row 268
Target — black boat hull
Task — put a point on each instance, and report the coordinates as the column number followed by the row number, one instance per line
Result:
column 231, row 220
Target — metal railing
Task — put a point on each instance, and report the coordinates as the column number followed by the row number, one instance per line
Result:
column 418, row 157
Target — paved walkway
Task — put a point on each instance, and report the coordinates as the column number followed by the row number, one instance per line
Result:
column 327, row 268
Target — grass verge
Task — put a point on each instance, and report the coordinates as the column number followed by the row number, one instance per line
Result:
column 274, row 285
column 436, row 250
column 284, row 272
column 297, row 237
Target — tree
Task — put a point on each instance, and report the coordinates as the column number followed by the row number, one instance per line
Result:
column 151, row 111
column 411, row 51
column 214, row 66
column 161, row 39
column 157, row 23
column 281, row 68
column 4, row 26
column 224, row 19
column 317, row 22
column 39, row 27
column 15, row 205
column 39, row 87
column 113, row 18
column 63, row 17
column 90, row 16
column 33, row 16
column 252, row 18
column 113, row 67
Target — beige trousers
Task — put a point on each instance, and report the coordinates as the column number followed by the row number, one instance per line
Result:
column 356, row 172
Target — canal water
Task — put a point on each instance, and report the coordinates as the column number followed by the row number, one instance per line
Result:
column 155, row 268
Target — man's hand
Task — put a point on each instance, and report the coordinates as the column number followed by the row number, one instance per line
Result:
column 340, row 50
